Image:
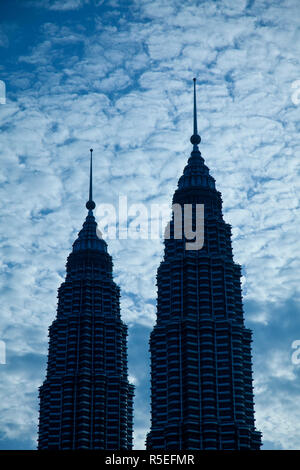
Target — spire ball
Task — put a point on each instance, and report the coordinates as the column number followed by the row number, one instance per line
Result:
column 90, row 205
column 195, row 139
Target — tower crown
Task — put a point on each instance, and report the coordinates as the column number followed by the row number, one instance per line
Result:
column 196, row 173
column 89, row 236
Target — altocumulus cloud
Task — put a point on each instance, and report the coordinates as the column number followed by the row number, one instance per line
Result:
column 117, row 76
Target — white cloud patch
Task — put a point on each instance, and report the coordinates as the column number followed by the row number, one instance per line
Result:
column 58, row 5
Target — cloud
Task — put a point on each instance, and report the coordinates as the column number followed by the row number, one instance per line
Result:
column 120, row 80
column 3, row 38
column 57, row 5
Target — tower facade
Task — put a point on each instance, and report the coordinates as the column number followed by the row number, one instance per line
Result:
column 86, row 401
column 201, row 368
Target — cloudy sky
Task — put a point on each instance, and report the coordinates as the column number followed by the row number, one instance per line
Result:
column 117, row 75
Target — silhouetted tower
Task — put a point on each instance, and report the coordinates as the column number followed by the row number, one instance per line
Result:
column 86, row 400
column 201, row 367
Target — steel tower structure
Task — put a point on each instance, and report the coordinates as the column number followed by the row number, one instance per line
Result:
column 201, row 366
column 86, row 401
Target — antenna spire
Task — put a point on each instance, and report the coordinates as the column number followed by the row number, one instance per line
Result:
column 195, row 139
column 90, row 205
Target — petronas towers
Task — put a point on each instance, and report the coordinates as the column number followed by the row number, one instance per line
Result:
column 86, row 399
column 201, row 377
column 201, row 367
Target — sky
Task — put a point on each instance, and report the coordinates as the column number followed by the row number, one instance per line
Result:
column 117, row 75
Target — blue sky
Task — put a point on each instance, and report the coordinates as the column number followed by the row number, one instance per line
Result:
column 117, row 75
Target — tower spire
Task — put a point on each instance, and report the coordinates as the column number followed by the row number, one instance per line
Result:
column 195, row 139
column 90, row 205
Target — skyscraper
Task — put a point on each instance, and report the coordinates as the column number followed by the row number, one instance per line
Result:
column 201, row 368
column 86, row 400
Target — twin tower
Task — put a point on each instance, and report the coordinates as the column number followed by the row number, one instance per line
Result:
column 201, row 367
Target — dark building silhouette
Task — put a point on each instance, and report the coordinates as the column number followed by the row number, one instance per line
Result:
column 86, row 400
column 201, row 367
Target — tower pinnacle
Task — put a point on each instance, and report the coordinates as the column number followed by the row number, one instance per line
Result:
column 195, row 138
column 90, row 205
